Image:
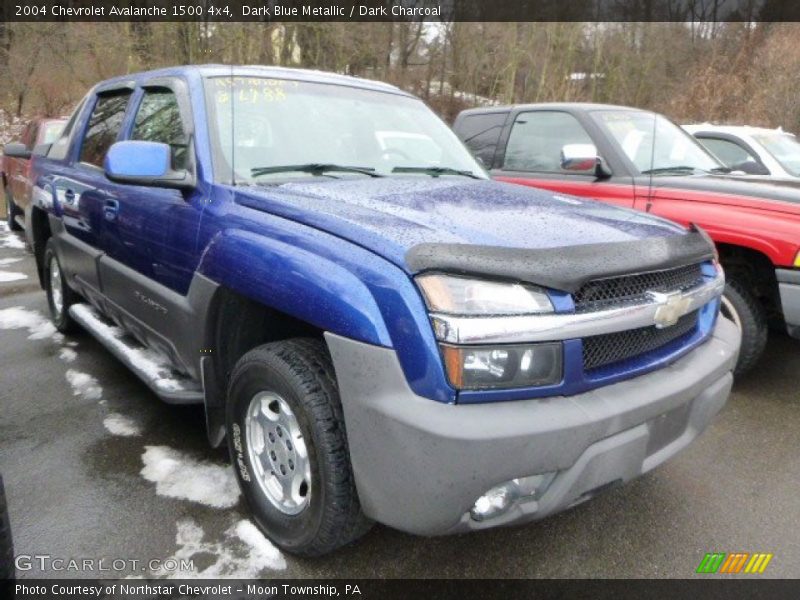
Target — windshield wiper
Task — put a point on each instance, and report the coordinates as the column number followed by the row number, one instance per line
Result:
column 436, row 171
column 675, row 169
column 722, row 170
column 314, row 169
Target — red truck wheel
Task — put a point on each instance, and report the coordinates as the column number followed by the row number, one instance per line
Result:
column 11, row 211
column 741, row 307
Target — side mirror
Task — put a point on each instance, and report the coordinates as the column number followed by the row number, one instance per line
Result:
column 144, row 163
column 583, row 158
column 16, row 150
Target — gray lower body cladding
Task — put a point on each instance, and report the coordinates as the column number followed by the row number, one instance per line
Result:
column 421, row 465
column 789, row 286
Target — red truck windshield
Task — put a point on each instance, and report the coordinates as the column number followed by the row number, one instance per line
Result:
column 653, row 143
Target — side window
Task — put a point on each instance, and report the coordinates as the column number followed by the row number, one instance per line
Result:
column 159, row 120
column 730, row 153
column 103, row 128
column 58, row 151
column 537, row 138
column 481, row 133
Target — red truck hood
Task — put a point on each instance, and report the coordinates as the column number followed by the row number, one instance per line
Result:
column 755, row 194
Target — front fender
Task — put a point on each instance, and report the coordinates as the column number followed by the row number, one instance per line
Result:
column 336, row 286
column 296, row 282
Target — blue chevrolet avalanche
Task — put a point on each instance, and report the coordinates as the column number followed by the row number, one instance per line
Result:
column 377, row 330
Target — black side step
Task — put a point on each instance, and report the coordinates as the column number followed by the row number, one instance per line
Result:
column 151, row 367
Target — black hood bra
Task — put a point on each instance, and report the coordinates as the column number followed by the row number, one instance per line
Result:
column 565, row 268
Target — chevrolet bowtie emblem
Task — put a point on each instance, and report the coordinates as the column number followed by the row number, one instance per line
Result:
column 671, row 307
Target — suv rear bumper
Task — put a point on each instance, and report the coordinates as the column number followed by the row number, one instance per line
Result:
column 789, row 286
column 420, row 465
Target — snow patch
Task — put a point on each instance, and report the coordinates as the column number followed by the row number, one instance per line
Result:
column 121, row 425
column 67, row 354
column 152, row 364
column 84, row 385
column 178, row 475
column 18, row 317
column 6, row 276
column 244, row 553
column 10, row 240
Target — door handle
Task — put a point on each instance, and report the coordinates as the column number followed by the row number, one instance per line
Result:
column 110, row 210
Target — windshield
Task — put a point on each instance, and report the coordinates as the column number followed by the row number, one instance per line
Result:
column 654, row 144
column 261, row 124
column 784, row 148
column 51, row 131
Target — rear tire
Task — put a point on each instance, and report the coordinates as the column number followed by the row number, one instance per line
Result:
column 740, row 306
column 288, row 445
column 11, row 211
column 59, row 295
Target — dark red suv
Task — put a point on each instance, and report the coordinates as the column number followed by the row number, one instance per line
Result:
column 16, row 171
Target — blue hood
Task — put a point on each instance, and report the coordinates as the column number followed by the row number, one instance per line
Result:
column 391, row 215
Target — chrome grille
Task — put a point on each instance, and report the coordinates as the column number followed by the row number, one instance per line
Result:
column 602, row 350
column 630, row 289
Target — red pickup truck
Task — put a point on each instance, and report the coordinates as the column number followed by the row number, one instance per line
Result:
column 16, row 171
column 639, row 159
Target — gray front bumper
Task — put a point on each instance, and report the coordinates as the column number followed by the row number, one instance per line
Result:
column 789, row 286
column 420, row 465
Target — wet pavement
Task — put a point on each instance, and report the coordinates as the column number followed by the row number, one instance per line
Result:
column 96, row 467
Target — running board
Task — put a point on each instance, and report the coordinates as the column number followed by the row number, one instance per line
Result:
column 150, row 366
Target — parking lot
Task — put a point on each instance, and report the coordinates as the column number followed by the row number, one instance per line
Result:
column 96, row 467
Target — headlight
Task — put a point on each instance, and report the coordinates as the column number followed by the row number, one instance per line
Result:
column 797, row 260
column 464, row 296
column 481, row 367
column 500, row 366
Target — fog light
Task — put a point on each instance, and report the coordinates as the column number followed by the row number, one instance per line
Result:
column 494, row 502
column 500, row 498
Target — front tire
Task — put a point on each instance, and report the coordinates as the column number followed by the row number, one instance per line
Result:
column 288, row 445
column 11, row 211
column 59, row 295
column 744, row 309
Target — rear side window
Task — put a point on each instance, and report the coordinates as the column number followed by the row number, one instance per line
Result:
column 103, row 129
column 537, row 138
column 159, row 120
column 481, row 133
